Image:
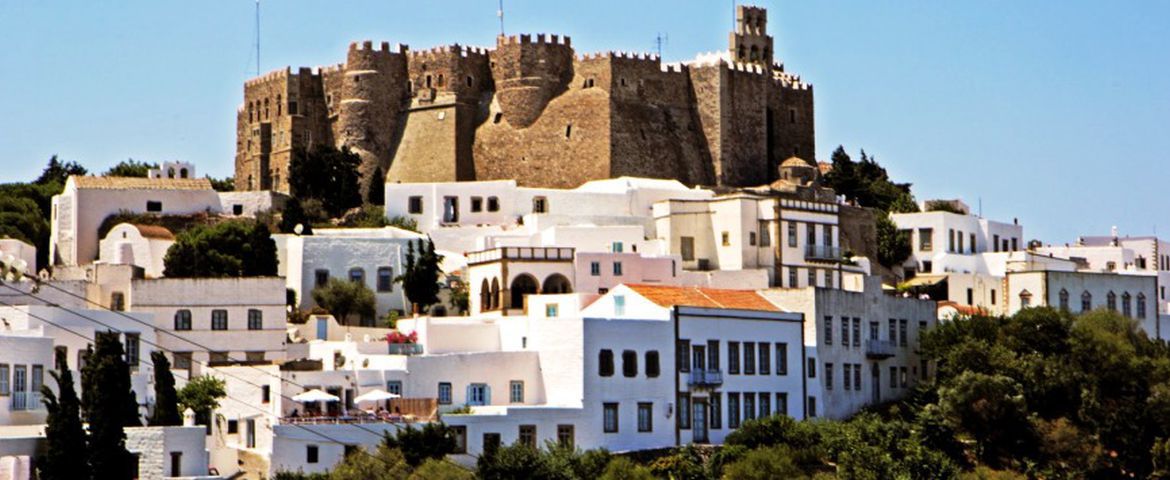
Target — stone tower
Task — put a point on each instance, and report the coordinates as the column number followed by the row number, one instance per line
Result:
column 750, row 42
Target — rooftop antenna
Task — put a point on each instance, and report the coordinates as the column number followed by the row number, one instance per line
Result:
column 499, row 13
column 661, row 40
column 258, row 38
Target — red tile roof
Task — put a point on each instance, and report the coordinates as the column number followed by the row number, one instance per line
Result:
column 669, row 296
column 154, row 231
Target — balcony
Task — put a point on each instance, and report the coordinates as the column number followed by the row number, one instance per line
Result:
column 824, row 253
column 879, row 349
column 404, row 348
column 705, row 378
column 25, row 401
column 563, row 254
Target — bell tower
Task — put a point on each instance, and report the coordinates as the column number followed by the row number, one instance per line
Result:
column 750, row 42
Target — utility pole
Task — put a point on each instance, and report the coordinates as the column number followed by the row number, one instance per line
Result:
column 500, row 13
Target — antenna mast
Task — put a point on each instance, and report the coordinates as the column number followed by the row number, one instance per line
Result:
column 499, row 13
column 661, row 40
column 257, row 38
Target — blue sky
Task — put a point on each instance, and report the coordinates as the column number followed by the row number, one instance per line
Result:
column 1056, row 113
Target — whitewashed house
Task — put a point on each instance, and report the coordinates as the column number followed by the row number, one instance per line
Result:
column 950, row 241
column 143, row 246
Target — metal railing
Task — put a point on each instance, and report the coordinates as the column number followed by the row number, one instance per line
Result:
column 521, row 253
column 701, row 378
column 880, row 348
column 822, row 252
column 24, row 401
column 404, row 348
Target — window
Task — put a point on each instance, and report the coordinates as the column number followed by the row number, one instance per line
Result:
column 812, row 277
column 219, row 320
column 726, row 237
column 893, row 377
column 683, row 355
column 749, row 358
column 565, row 436
column 765, row 234
column 781, row 403
column 385, row 279
column 645, row 417
column 539, row 205
column 714, row 409
column 792, row 277
column 844, row 332
column 237, row 209
column 812, row 406
column 925, row 235
column 357, row 275
column 733, row 358
column 749, row 405
column 733, row 410
column 1086, row 301
column 132, row 349
column 684, row 411
column 476, row 204
column 609, row 417
column 118, row 301
column 812, row 368
column 516, row 391
column 250, row 441
column 687, row 248
column 617, row 247
column 311, row 454
column 765, row 358
column 450, row 209
column 617, row 269
column 394, row 386
column 629, row 363
column 619, row 305
column 460, row 434
column 1063, row 300
column 479, row 394
column 1111, row 301
column 265, row 393
column 153, row 206
column 652, row 367
column 595, row 268
column 183, row 320
column 233, row 426
column 1126, row 307
column 828, row 375
column 527, row 435
column 791, row 234
column 493, row 204
column 893, row 330
column 255, row 319
column 1025, row 299
column 713, row 355
column 752, row 238
column 182, row 360
column 971, row 244
column 765, row 404
column 856, row 376
column 781, row 359
column 444, row 393
column 320, row 277
column 217, row 357
column 905, row 377
column 951, row 240
column 605, row 363
column 551, row 310
column 415, row 205
column 1141, row 305
column 857, row 332
column 902, row 332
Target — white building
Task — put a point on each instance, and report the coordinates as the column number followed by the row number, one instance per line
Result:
column 143, row 246
column 947, row 242
column 172, row 170
column 862, row 346
column 372, row 256
column 214, row 319
column 1133, row 296
column 170, row 452
column 20, row 251
column 501, row 278
column 24, row 356
column 1143, row 255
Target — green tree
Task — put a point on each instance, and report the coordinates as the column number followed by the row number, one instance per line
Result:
column 893, row 245
column 226, row 184
column 622, row 468
column 327, row 174
column 56, row 172
column 432, row 441
column 130, row 168
column 343, row 298
column 376, row 192
column 64, row 432
column 166, row 400
column 765, row 463
column 683, row 464
column 228, row 249
column 202, row 395
column 436, row 469
column 293, row 215
column 420, row 277
column 992, row 410
column 385, row 463
column 109, row 401
column 369, row 216
column 513, row 461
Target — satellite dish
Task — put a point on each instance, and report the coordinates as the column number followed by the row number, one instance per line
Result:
column 298, row 229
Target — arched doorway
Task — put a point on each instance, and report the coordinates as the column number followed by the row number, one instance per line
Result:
column 523, row 284
column 495, row 298
column 556, row 283
column 485, row 296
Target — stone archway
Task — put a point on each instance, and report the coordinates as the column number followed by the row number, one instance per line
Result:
column 524, row 284
column 556, row 283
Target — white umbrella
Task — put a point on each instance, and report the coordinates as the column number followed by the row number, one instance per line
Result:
column 315, row 395
column 375, row 395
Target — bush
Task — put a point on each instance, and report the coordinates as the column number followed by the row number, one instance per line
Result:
column 434, row 469
column 765, row 463
column 513, row 461
column 229, row 249
column 622, row 468
column 432, row 441
column 343, row 298
column 384, row 464
column 683, row 464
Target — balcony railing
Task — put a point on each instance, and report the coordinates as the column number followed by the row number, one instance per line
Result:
column 23, row 401
column 822, row 252
column 705, row 378
column 879, row 348
column 404, row 348
column 521, row 253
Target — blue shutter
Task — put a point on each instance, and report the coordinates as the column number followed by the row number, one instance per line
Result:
column 487, row 394
column 467, row 399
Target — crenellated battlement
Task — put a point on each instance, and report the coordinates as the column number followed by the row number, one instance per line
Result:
column 384, row 47
column 465, row 51
column 541, row 39
column 275, row 75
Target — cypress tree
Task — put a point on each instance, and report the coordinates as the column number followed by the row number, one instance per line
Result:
column 376, row 192
column 166, row 400
column 64, row 432
column 108, row 411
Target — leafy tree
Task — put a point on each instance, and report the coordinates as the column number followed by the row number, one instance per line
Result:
column 573, row 463
column 56, row 172
column 327, row 174
column 684, row 464
column 765, row 463
column 376, row 192
column 109, row 398
column 432, row 441
column 226, row 184
column 991, row 409
column 130, row 168
column 293, row 215
column 513, row 461
column 343, row 298
column 622, row 468
column 893, row 245
column 202, row 395
column 436, row 469
column 166, row 400
column 866, row 182
column 228, row 249
column 64, row 433
column 385, row 463
column 420, row 277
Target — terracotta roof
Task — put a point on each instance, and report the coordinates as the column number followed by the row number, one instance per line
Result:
column 963, row 309
column 795, row 162
column 154, row 231
column 669, row 296
column 138, row 183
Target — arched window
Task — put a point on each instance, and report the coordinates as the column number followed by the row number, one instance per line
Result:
column 441, row 82
column 1111, row 301
column 755, row 53
column 1064, row 300
column 183, row 320
column 1025, row 299
column 266, row 109
column 742, row 52
column 1126, row 305
column 1086, row 301
column 556, row 283
column 278, row 105
column 485, row 296
column 522, row 286
column 495, row 300
column 470, row 81
column 170, row 173
column 182, row 173
column 1141, row 306
column 357, row 274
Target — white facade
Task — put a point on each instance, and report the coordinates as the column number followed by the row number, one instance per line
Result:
column 862, row 347
column 172, row 170
column 374, row 256
column 215, row 319
column 24, row 358
column 1144, row 255
column 1133, row 296
column 945, row 242
column 20, row 251
column 500, row 279
column 169, row 452
column 139, row 245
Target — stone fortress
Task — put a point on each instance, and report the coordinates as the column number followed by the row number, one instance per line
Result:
column 533, row 110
